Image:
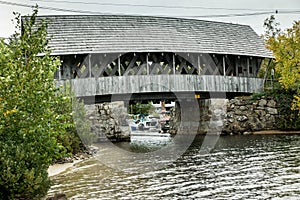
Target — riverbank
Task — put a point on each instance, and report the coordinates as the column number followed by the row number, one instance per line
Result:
column 275, row 132
column 56, row 169
column 65, row 163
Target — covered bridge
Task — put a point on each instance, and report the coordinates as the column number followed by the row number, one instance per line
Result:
column 113, row 55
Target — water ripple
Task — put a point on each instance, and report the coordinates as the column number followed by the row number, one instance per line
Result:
column 240, row 167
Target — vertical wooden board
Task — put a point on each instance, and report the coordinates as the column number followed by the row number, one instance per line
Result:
column 225, row 79
column 106, row 86
column 167, row 87
column 184, row 83
column 250, row 84
column 148, row 81
column 217, row 84
column 211, row 83
column 134, row 84
column 172, row 82
column 242, row 84
column 87, row 86
column 201, row 84
column 245, row 84
column 204, row 83
column 116, row 84
column 231, row 88
column 195, row 83
column 234, row 83
column 102, row 86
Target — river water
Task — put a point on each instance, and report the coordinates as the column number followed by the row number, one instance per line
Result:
column 238, row 167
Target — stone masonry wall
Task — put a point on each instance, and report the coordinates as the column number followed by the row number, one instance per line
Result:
column 108, row 121
column 245, row 115
column 241, row 115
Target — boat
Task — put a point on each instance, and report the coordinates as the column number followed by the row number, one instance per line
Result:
column 148, row 125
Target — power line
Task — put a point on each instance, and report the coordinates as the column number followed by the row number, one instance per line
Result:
column 244, row 14
column 52, row 8
column 187, row 16
column 149, row 6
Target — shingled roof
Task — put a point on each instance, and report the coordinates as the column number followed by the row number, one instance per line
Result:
column 79, row 34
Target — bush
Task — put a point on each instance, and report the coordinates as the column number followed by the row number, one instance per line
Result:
column 29, row 122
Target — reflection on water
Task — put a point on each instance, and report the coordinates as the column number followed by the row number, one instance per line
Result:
column 239, row 167
column 143, row 142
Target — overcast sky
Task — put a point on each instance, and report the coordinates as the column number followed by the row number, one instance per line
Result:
column 288, row 10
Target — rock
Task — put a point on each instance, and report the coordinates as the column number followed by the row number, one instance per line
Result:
column 105, row 107
column 271, row 103
column 233, row 101
column 231, row 120
column 239, row 112
column 272, row 111
column 243, row 108
column 262, row 102
column 260, row 113
column 242, row 118
column 229, row 115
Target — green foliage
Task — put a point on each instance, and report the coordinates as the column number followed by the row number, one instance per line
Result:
column 68, row 138
column 83, row 126
column 288, row 118
column 32, row 125
column 78, row 132
column 140, row 108
column 285, row 46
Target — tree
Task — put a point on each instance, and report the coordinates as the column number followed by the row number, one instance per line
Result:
column 285, row 46
column 140, row 108
column 29, row 122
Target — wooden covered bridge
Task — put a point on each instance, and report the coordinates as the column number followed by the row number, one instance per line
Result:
column 154, row 56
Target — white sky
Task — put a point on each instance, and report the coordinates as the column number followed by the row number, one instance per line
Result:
column 250, row 6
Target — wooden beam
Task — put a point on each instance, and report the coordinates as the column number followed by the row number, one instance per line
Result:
column 236, row 66
column 131, row 64
column 224, row 66
column 90, row 66
column 199, row 67
column 248, row 67
column 59, row 72
column 119, row 65
column 147, row 64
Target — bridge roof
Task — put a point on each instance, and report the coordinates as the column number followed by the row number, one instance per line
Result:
column 80, row 34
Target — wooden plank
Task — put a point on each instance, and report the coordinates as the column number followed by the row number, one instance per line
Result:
column 163, row 83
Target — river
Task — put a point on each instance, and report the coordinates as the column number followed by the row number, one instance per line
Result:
column 238, row 167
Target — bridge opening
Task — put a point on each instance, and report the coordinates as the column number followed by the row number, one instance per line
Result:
column 120, row 84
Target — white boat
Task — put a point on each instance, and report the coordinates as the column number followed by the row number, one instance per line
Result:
column 148, row 125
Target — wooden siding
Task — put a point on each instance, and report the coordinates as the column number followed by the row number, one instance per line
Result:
column 163, row 83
